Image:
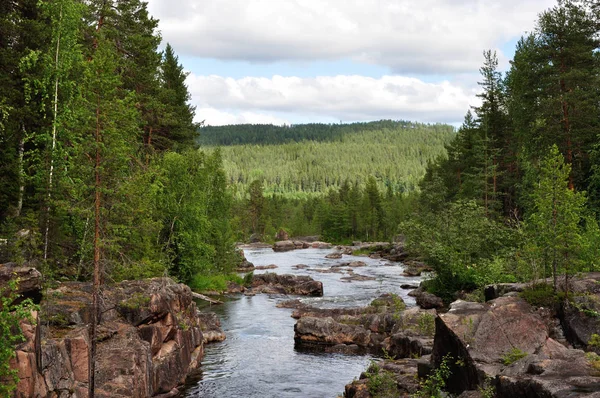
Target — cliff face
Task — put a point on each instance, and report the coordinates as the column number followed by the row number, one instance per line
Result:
column 149, row 340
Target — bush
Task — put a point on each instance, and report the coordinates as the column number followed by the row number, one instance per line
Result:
column 433, row 386
column 513, row 356
column 540, row 295
column 248, row 278
column 11, row 334
column 381, row 383
column 213, row 283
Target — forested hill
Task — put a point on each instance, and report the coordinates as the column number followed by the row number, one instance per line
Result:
column 312, row 158
column 269, row 134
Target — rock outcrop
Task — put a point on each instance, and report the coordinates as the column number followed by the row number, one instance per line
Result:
column 272, row 283
column 149, row 339
column 507, row 340
column 28, row 280
column 383, row 325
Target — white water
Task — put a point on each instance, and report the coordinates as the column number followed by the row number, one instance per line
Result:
column 258, row 358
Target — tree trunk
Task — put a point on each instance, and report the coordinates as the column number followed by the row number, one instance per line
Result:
column 55, row 116
column 21, row 174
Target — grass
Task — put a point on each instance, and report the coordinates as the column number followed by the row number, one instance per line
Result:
column 594, row 360
column 213, row 283
column 426, row 324
column 513, row 356
column 362, row 252
column 136, row 301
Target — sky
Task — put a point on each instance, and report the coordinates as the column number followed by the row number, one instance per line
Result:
column 331, row 61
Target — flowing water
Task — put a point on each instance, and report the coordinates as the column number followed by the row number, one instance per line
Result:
column 258, row 358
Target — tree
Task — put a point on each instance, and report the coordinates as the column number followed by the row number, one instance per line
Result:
column 553, row 222
column 177, row 129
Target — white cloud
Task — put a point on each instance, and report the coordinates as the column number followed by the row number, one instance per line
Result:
column 222, row 100
column 216, row 117
column 425, row 36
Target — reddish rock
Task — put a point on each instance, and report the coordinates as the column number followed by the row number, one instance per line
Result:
column 482, row 335
column 149, row 339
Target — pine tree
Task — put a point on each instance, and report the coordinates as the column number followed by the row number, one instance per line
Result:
column 177, row 130
column 553, row 222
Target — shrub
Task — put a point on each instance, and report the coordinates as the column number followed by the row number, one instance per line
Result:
column 513, row 356
column 381, row 383
column 426, row 324
column 248, row 278
column 540, row 295
column 213, row 283
column 11, row 334
column 594, row 341
column 434, row 384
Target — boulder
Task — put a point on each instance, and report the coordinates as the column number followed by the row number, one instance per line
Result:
column 334, row 256
column 506, row 340
column 311, row 330
column 264, row 267
column 579, row 316
column 284, row 246
column 427, row 301
column 321, row 245
column 415, row 268
column 500, row 289
column 401, row 373
column 210, row 325
column 272, row 283
column 29, row 280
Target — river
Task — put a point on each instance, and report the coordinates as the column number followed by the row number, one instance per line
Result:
column 258, row 358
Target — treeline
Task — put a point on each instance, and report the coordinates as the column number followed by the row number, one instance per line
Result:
column 352, row 212
column 268, row 134
column 517, row 196
column 99, row 169
column 395, row 153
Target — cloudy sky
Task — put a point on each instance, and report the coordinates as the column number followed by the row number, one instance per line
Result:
column 297, row 61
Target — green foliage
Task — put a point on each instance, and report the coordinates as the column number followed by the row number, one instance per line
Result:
column 11, row 315
column 553, row 224
column 462, row 244
column 426, row 324
column 381, row 383
column 513, row 356
column 434, row 384
column 594, row 361
column 594, row 341
column 213, row 283
column 136, row 301
column 395, row 153
column 540, row 295
column 248, row 278
column 194, row 207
